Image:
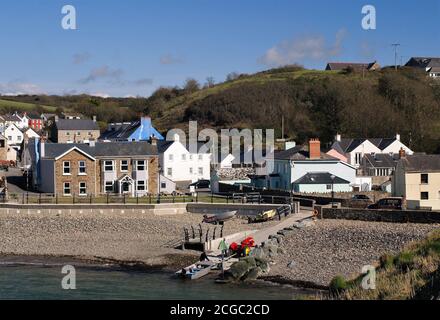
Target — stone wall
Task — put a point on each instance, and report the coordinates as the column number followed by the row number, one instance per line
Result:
column 404, row 216
column 77, row 136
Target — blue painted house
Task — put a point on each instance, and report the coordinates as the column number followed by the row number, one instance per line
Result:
column 140, row 130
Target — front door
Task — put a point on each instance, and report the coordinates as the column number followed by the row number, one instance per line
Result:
column 126, row 187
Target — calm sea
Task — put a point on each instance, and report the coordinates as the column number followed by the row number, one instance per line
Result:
column 44, row 282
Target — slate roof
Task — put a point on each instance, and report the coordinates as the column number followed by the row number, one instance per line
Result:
column 320, row 178
column 11, row 117
column 76, row 124
column 347, row 145
column 344, row 65
column 424, row 62
column 381, row 160
column 299, row 153
column 421, row 163
column 101, row 149
column 124, row 131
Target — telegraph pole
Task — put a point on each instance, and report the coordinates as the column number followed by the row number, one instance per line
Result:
column 396, row 46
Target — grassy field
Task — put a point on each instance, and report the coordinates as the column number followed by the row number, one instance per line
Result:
column 21, row 106
column 414, row 273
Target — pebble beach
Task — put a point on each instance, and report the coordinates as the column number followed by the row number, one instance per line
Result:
column 328, row 248
column 131, row 238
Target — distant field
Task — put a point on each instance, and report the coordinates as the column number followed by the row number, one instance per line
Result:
column 23, row 106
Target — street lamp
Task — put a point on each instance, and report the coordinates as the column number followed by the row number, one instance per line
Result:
column 333, row 190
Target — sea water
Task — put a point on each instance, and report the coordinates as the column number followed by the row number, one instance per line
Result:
column 44, row 282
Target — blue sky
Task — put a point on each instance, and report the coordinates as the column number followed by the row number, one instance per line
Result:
column 131, row 47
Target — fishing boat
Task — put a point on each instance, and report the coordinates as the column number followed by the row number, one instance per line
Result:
column 221, row 217
column 264, row 216
column 196, row 270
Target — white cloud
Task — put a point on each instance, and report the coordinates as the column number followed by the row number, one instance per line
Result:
column 303, row 48
column 14, row 88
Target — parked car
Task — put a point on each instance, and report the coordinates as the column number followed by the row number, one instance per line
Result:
column 201, row 184
column 359, row 201
column 388, row 204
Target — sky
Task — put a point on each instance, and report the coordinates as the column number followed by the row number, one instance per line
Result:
column 132, row 47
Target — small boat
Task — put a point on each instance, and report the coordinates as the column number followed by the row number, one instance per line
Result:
column 196, row 270
column 221, row 217
column 264, row 216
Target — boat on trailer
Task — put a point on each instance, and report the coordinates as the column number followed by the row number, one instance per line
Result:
column 196, row 270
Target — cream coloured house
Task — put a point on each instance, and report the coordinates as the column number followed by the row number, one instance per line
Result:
column 417, row 179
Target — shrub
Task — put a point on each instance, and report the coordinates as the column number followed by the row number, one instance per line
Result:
column 338, row 284
column 405, row 260
column 386, row 261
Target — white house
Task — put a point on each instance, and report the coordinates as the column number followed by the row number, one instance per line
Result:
column 299, row 164
column 179, row 165
column 30, row 133
column 14, row 135
column 353, row 151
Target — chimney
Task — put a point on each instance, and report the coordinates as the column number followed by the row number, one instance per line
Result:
column 153, row 141
column 92, row 143
column 57, row 118
column 338, row 138
column 314, row 149
column 398, row 137
column 94, row 118
column 402, row 153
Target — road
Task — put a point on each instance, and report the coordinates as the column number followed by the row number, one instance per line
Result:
column 16, row 181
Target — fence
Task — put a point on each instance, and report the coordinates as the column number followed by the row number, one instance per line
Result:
column 46, row 198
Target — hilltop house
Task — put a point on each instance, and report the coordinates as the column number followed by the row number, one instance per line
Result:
column 358, row 67
column 296, row 167
column 93, row 168
column 140, row 130
column 428, row 64
column 417, row 179
column 75, row 130
column 352, row 151
column 180, row 165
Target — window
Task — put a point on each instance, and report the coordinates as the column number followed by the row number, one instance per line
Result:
column 170, row 157
column 108, row 166
column 183, row 157
column 9, row 138
column 66, row 189
column 190, row 157
column 141, row 186
column 329, row 187
column 358, row 158
column 163, row 185
column 170, row 172
column 82, row 189
column 191, row 171
column 66, row 167
column 124, row 165
column 140, row 165
column 201, row 171
column 424, row 178
column 109, row 186
column 424, row 195
column 200, row 157
column 67, row 133
column 82, row 167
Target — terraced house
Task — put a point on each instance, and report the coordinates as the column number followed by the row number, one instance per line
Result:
column 129, row 168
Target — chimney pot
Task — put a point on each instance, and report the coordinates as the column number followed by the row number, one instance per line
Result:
column 338, row 137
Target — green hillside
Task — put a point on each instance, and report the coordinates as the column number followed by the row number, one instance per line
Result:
column 313, row 104
column 22, row 106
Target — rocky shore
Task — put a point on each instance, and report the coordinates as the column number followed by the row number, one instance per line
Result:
column 132, row 239
column 313, row 255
